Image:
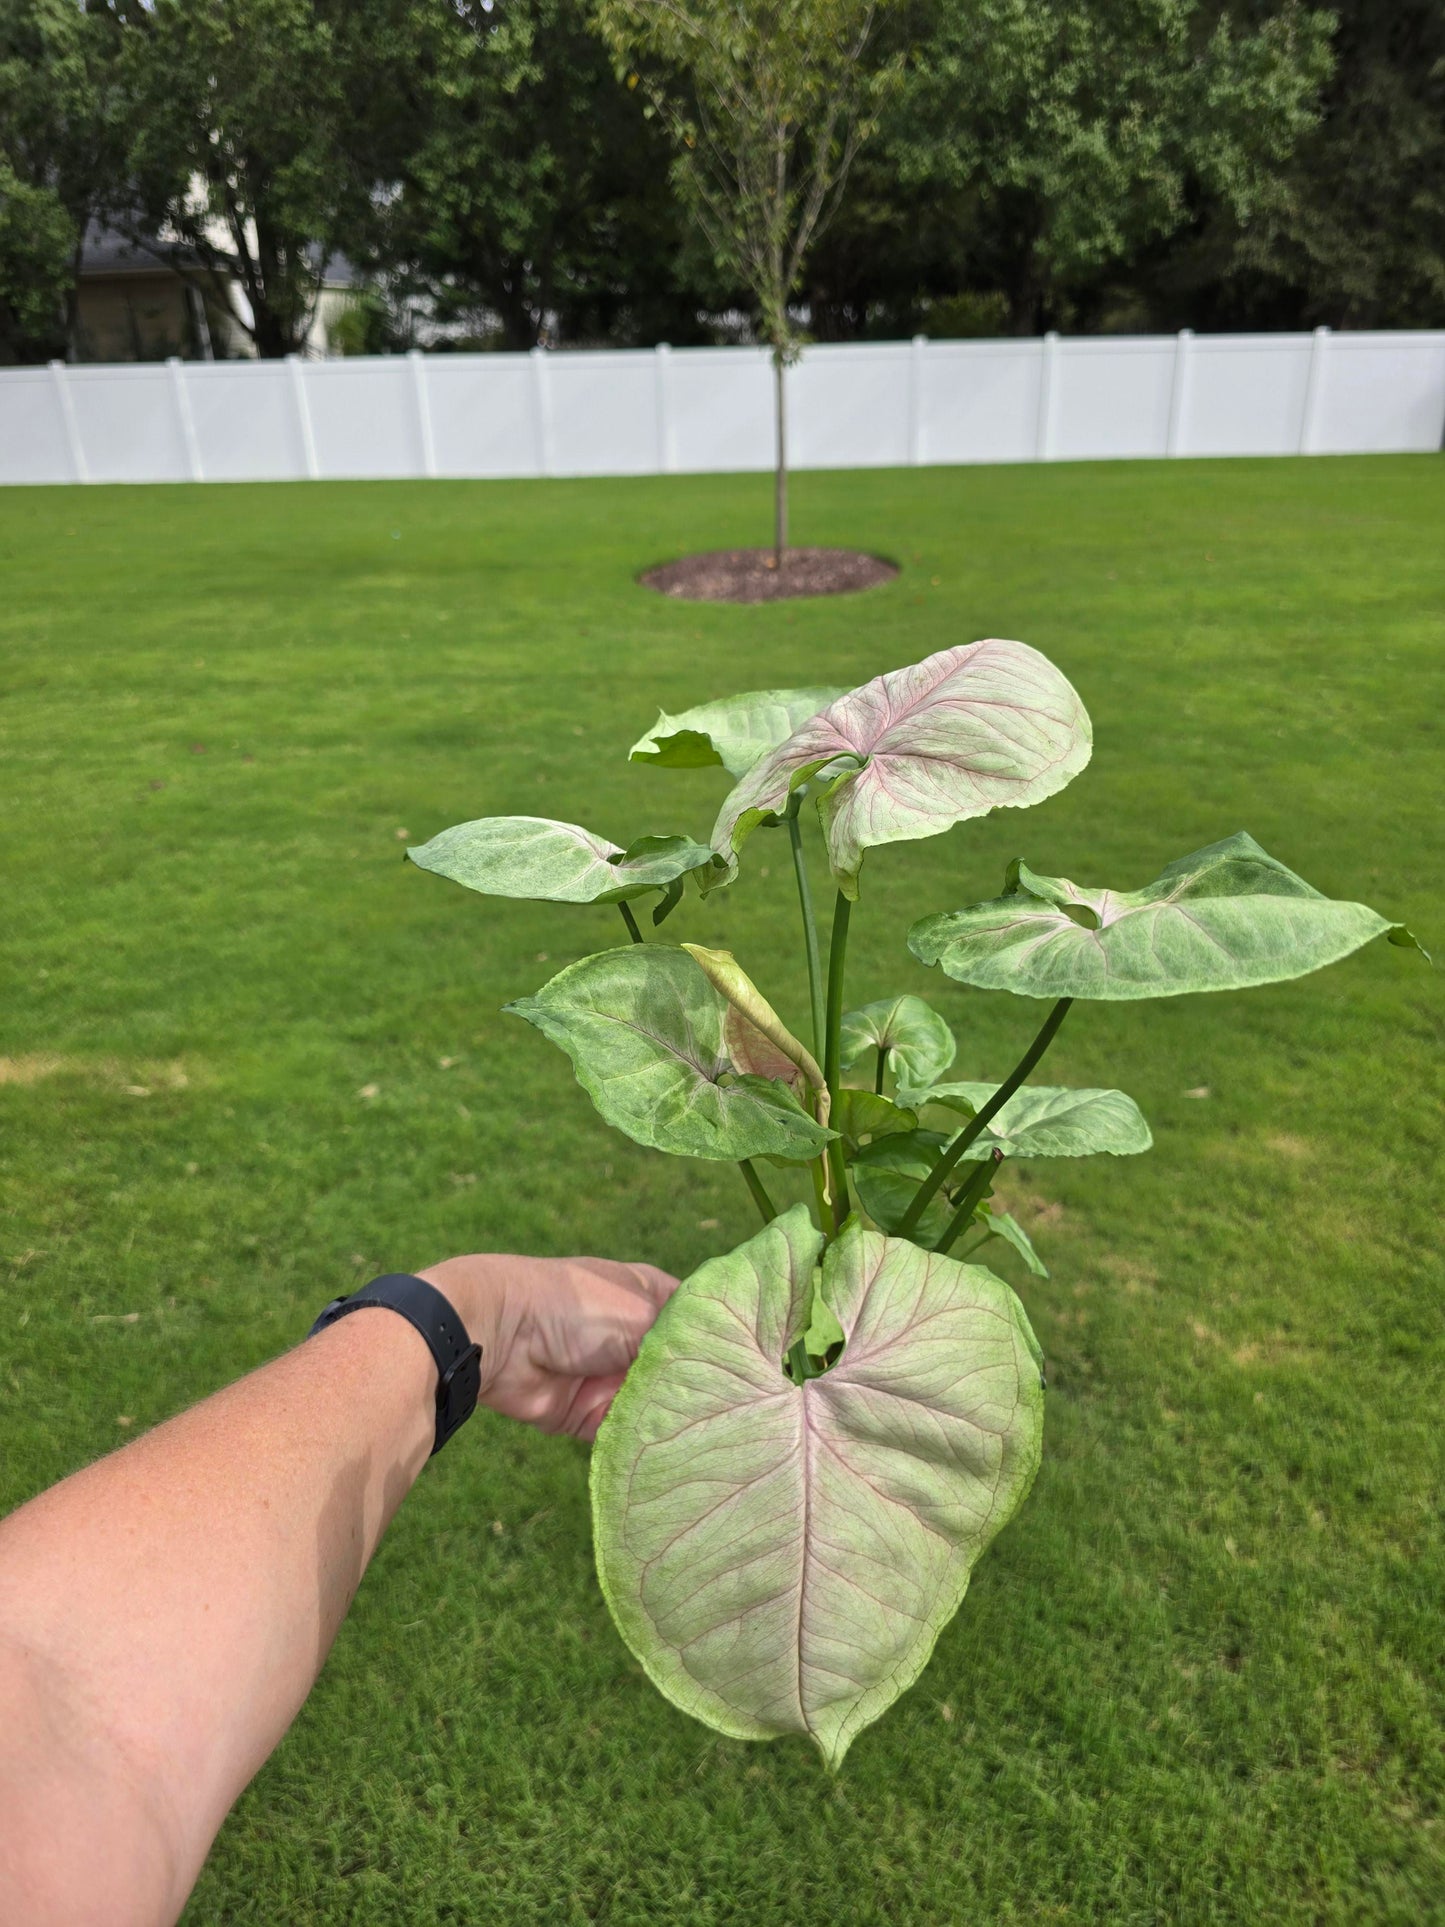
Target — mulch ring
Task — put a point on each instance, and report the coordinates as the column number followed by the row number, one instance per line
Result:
column 750, row 575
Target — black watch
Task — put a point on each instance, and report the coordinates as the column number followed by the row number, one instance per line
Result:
column 459, row 1361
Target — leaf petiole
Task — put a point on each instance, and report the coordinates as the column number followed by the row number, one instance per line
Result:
column 810, row 926
column 833, row 1024
column 938, row 1176
column 756, row 1187
column 973, row 1194
column 631, row 922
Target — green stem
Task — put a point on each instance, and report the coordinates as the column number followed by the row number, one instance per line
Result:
column 833, row 1025
column 810, row 926
column 755, row 1185
column 631, row 922
column 975, row 1189
column 937, row 1177
column 878, row 1074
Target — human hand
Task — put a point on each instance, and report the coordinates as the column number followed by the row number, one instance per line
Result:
column 557, row 1334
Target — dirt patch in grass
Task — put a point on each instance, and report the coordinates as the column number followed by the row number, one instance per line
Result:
column 752, row 575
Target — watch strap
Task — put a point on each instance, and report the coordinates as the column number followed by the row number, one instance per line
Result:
column 431, row 1312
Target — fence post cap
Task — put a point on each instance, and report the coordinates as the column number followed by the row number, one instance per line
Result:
column 1186, row 334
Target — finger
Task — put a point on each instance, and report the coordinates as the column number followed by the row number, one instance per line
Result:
column 591, row 1404
column 646, row 1281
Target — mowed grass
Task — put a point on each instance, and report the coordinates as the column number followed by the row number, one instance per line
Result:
column 250, row 1057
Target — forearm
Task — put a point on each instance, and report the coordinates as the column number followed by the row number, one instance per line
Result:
column 164, row 1613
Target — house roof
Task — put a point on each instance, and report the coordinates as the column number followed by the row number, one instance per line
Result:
column 104, row 252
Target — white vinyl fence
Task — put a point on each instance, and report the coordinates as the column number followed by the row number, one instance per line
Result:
column 709, row 410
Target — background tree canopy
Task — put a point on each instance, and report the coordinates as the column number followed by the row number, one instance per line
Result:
column 1087, row 164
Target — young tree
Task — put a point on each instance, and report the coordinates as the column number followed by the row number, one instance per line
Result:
column 767, row 102
column 1091, row 130
column 59, row 153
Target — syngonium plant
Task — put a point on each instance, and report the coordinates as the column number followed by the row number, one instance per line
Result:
column 827, row 1426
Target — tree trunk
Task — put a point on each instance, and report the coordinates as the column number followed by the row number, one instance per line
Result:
column 780, row 484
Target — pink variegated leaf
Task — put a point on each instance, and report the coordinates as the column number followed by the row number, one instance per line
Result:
column 984, row 726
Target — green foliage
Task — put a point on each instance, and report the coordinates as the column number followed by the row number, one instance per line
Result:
column 59, row 157
column 1352, row 231
column 750, row 1543
column 531, row 856
column 255, row 140
column 781, row 1557
column 1041, row 1122
column 735, row 732
column 527, row 186
column 669, row 1060
column 908, row 1037
column 1224, row 918
column 1090, row 129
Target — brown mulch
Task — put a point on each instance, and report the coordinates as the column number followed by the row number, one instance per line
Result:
column 749, row 575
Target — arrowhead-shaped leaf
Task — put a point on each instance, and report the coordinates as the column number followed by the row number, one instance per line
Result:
column 666, row 1058
column 1221, row 919
column 886, row 1175
column 782, row 1558
column 532, row 856
column 863, row 1114
column 734, row 732
column 920, row 1044
column 985, row 726
column 1041, row 1121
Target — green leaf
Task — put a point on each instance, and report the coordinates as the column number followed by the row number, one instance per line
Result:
column 1221, row 919
column 532, row 856
column 920, row 1044
column 863, row 1114
column 668, row 1060
column 782, row 1558
column 1043, row 1121
column 886, row 1175
column 984, row 726
column 1000, row 1225
column 733, row 732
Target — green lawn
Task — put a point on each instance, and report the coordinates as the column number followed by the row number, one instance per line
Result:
column 1199, row 1678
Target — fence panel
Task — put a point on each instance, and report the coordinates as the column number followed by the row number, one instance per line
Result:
column 34, row 444
column 363, row 417
column 710, row 410
column 1380, row 391
column 849, row 407
column 1247, row 394
column 602, row 412
column 1112, row 398
column 127, row 424
column 721, row 409
column 483, row 414
column 245, row 421
column 980, row 401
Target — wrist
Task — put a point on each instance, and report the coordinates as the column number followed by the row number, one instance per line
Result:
column 475, row 1287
